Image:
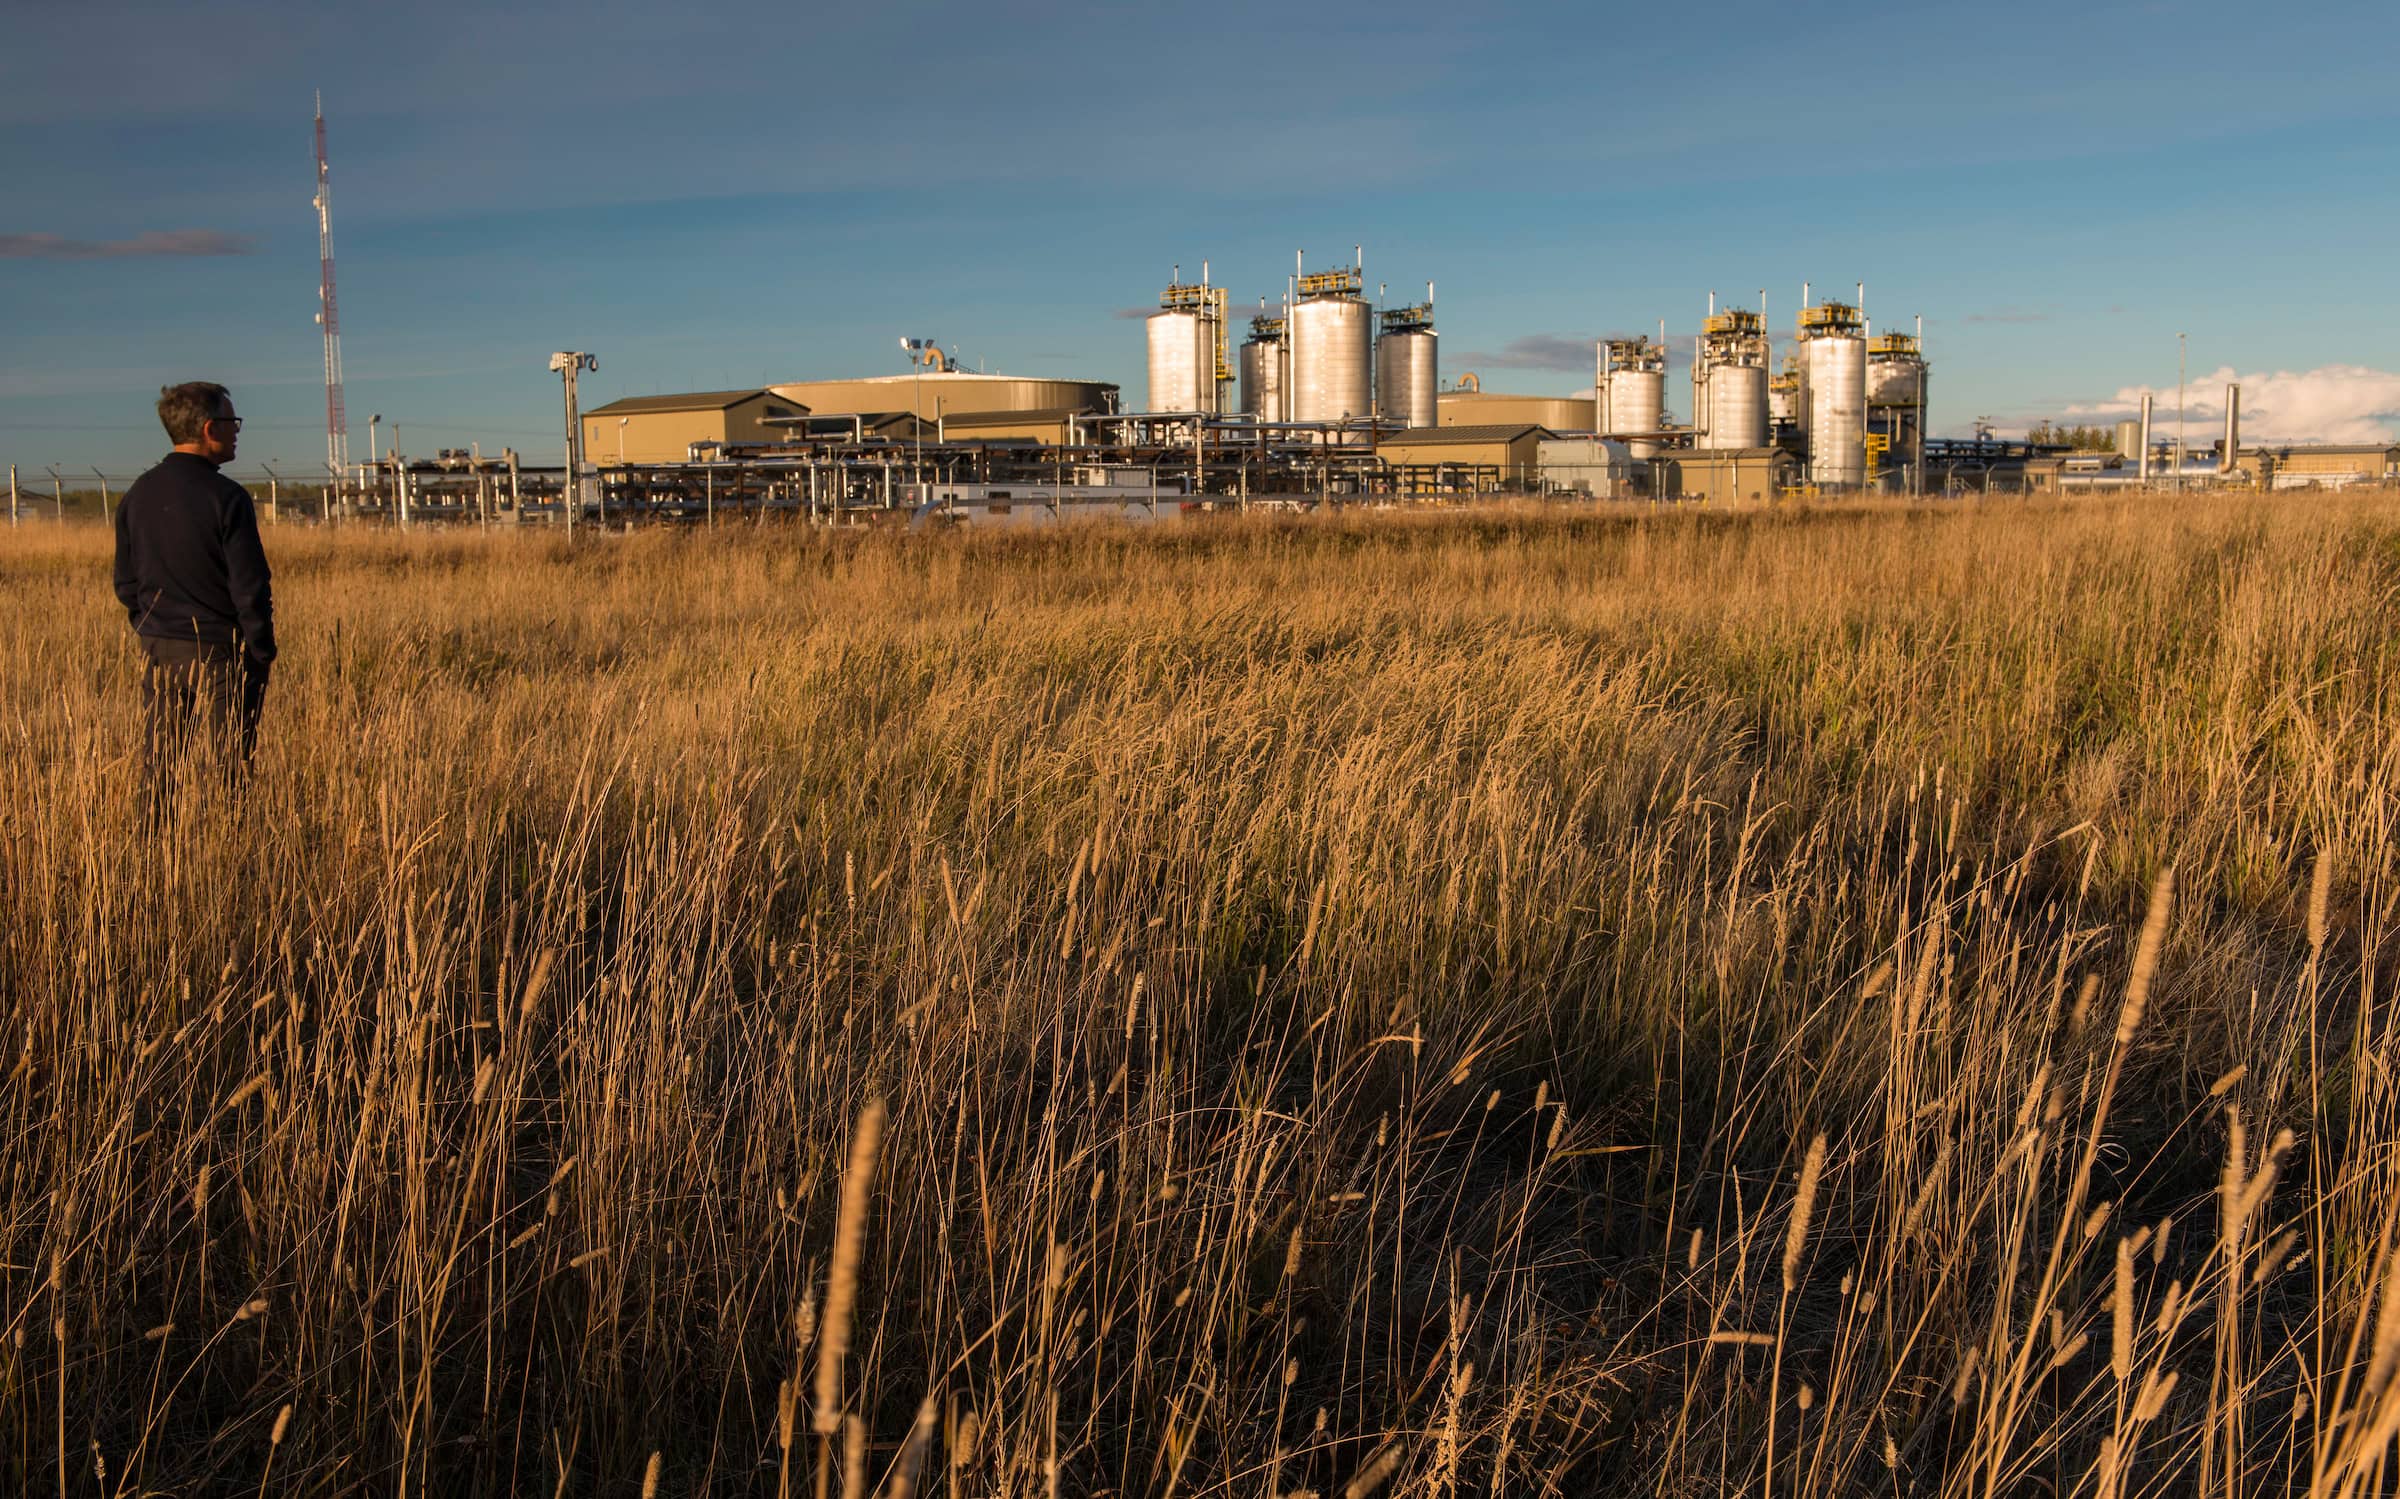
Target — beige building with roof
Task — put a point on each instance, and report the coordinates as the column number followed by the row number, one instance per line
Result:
column 1723, row 476
column 2322, row 464
column 1477, row 459
column 959, row 404
column 662, row 429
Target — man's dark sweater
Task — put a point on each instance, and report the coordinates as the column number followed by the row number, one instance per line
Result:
column 189, row 563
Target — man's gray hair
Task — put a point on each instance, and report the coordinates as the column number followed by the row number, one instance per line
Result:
column 185, row 409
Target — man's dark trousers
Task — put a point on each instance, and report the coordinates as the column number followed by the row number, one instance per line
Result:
column 200, row 703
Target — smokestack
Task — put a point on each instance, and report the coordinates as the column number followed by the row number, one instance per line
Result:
column 2145, row 437
column 2233, row 429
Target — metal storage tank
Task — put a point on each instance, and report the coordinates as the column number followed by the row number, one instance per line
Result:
column 932, row 393
column 1332, row 333
column 1493, row 408
column 1262, row 362
column 1637, row 391
column 1182, row 362
column 1893, row 382
column 1408, row 366
column 1729, row 380
column 1408, row 377
column 1737, row 406
column 1833, row 393
column 1896, row 387
column 1188, row 370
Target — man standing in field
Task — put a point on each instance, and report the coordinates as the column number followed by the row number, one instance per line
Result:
column 193, row 579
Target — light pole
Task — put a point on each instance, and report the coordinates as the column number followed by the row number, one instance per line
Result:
column 2180, row 350
column 374, row 450
column 917, row 349
column 103, row 478
column 621, row 421
column 58, row 492
column 274, row 492
column 568, row 364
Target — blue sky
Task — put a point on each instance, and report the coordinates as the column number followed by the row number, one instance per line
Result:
column 744, row 193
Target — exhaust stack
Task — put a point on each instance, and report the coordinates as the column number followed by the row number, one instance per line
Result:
column 2145, row 437
column 2233, row 430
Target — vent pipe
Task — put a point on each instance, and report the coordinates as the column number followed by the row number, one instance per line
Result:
column 2145, row 437
column 2233, row 430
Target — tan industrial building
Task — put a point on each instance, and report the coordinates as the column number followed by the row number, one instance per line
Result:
column 1474, row 459
column 1593, row 466
column 662, row 429
column 959, row 404
column 2299, row 466
column 1723, row 476
column 1491, row 408
column 2326, row 465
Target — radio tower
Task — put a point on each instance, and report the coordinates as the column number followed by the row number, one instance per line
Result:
column 337, row 426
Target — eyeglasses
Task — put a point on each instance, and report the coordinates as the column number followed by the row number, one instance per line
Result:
column 234, row 422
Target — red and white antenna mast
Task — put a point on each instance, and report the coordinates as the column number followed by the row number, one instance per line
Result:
column 337, row 424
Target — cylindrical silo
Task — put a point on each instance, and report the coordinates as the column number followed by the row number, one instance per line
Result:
column 1637, row 391
column 1729, row 381
column 1893, row 381
column 1182, row 362
column 1408, row 367
column 1333, row 336
column 1262, row 370
column 1833, row 394
column 1737, row 406
column 1635, row 399
column 1896, row 396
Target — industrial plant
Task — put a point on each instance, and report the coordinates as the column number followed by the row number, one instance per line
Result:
column 1329, row 399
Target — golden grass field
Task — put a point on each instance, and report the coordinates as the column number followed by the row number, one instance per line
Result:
column 1875, row 1001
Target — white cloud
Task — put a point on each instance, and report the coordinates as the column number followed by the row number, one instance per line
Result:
column 153, row 242
column 2333, row 403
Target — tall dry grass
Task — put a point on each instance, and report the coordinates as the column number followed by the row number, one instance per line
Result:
column 1488, row 1004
